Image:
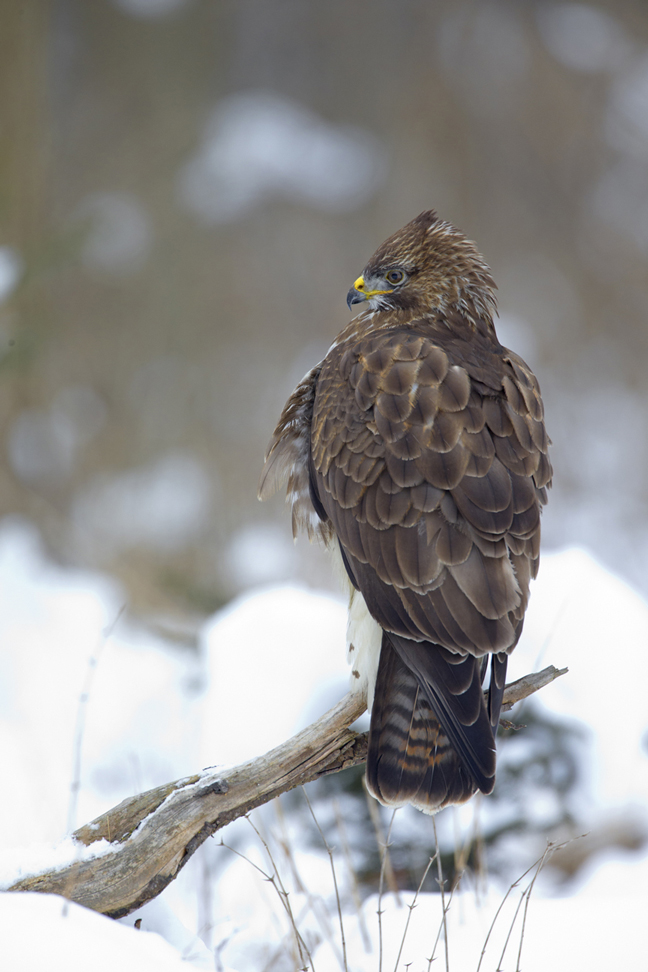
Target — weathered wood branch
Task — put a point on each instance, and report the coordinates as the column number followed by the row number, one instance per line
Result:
column 154, row 834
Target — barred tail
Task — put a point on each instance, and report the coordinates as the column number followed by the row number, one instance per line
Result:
column 431, row 743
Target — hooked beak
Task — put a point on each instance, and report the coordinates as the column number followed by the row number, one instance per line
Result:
column 359, row 292
column 354, row 297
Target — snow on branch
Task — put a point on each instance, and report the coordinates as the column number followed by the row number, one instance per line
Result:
column 151, row 836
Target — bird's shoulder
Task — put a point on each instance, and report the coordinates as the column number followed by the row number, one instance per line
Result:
column 401, row 394
column 429, row 456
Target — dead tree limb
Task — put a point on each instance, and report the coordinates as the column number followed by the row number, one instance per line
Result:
column 153, row 835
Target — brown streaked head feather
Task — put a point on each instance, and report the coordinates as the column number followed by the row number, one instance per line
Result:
column 445, row 271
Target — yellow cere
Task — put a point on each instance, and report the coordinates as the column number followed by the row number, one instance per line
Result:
column 359, row 285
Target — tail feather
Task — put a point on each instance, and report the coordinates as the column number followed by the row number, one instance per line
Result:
column 431, row 741
column 496, row 690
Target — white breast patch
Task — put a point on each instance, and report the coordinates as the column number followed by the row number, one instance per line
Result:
column 364, row 635
column 364, row 640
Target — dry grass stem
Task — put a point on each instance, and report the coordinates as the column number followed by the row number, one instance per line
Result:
column 335, row 884
column 82, row 710
column 441, row 883
column 525, row 896
column 411, row 908
column 355, row 891
column 383, row 846
column 284, row 896
column 550, row 848
column 385, row 859
column 314, row 903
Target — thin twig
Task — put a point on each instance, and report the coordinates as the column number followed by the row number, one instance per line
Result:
column 510, row 931
column 383, row 843
column 525, row 896
column 441, row 883
column 283, row 894
column 385, row 846
column 355, row 893
column 548, row 852
column 315, row 903
column 335, row 884
column 538, row 865
column 497, row 914
column 266, row 877
column 77, row 745
column 411, row 908
column 284, row 843
column 79, row 729
column 271, row 880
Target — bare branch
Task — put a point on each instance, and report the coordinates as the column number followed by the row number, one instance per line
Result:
column 526, row 686
column 154, row 834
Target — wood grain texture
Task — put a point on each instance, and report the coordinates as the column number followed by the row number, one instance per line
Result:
column 155, row 833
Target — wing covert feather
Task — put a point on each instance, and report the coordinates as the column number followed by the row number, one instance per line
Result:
column 432, row 479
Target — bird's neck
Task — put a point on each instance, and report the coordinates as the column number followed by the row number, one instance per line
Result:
column 463, row 315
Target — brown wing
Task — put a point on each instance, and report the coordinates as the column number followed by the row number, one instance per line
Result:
column 288, row 457
column 431, row 463
column 433, row 482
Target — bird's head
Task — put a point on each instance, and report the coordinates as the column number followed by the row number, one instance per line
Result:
column 427, row 266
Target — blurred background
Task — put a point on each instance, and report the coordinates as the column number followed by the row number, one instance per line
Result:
column 187, row 190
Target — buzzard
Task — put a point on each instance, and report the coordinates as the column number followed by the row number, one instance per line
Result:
column 417, row 451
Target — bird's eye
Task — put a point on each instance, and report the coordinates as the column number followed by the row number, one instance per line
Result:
column 395, row 276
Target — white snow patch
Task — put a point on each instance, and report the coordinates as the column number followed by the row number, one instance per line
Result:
column 161, row 506
column 583, row 617
column 120, row 235
column 43, row 931
column 269, row 655
column 260, row 553
column 18, row 862
column 583, row 38
column 271, row 662
column 258, row 145
column 43, row 445
column 11, row 270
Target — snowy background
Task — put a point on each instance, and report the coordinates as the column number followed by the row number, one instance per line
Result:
column 153, row 715
column 189, row 188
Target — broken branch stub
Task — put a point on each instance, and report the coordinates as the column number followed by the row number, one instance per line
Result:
column 154, row 834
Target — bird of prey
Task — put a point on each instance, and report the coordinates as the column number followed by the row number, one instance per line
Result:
column 417, row 451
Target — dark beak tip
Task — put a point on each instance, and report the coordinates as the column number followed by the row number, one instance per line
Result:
column 354, row 297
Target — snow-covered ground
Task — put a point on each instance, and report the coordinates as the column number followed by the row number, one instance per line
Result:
column 270, row 663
